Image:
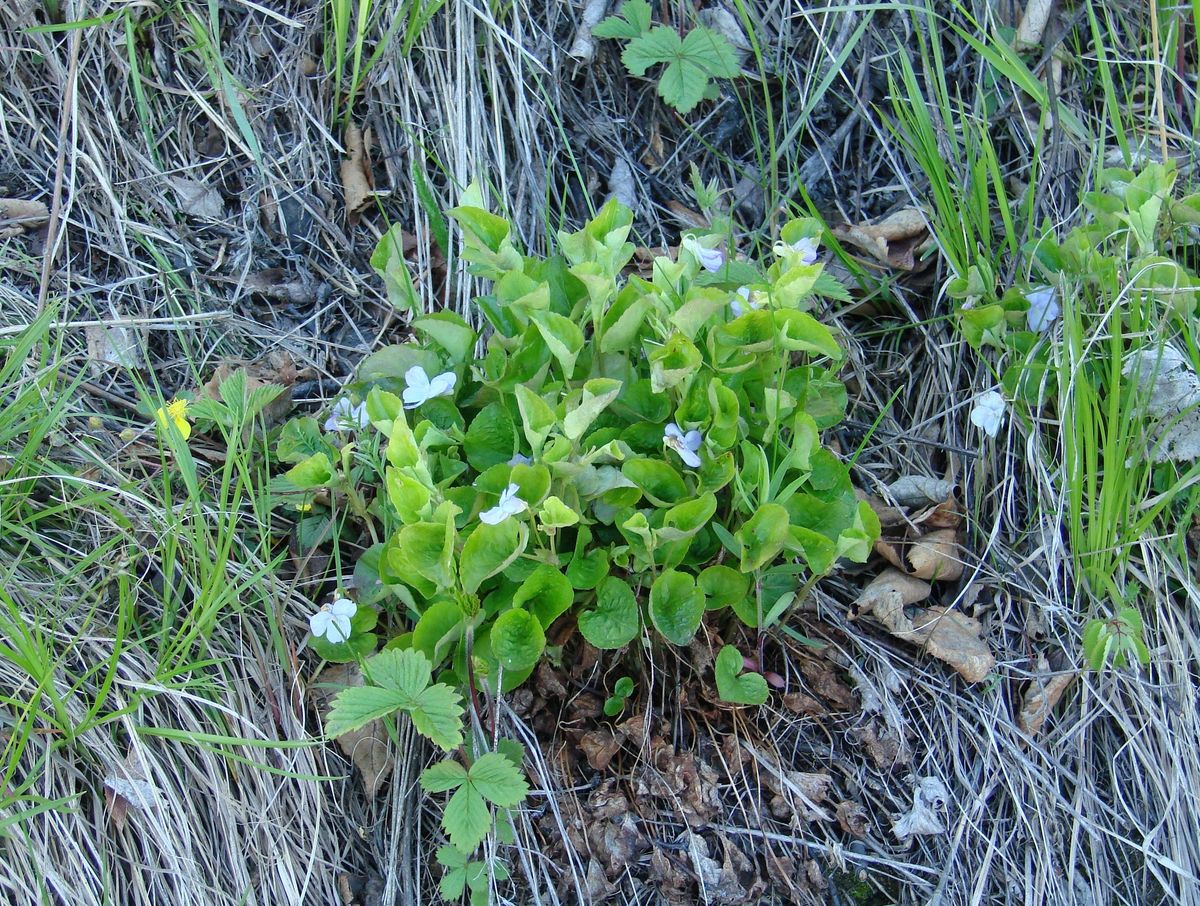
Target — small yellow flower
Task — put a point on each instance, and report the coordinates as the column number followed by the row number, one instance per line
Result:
column 176, row 412
column 304, row 507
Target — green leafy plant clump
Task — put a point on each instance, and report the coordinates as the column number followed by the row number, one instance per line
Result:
column 627, row 457
column 689, row 62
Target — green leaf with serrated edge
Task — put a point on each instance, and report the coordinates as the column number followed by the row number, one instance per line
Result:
column 547, row 594
column 442, row 777
column 453, row 882
column 763, row 536
column 438, row 629
column 722, row 586
column 633, row 20
column 676, row 606
column 489, row 549
column 613, row 620
column 735, row 687
column 537, row 417
column 491, row 438
column 407, row 672
column 437, row 715
column 466, row 819
column 711, row 51
column 597, row 395
column 356, row 707
column 314, row 472
column 517, row 639
column 659, row 45
column 449, row 331
column 498, row 780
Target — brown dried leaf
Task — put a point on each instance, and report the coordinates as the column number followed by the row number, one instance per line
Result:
column 357, row 184
column 17, row 214
column 893, row 241
column 934, row 556
column 852, row 818
column 367, row 748
column 947, row 635
column 198, row 200
column 276, row 283
column 887, row 515
column 1040, row 700
column 920, row 490
column 600, row 747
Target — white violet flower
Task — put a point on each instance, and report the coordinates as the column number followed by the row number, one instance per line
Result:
column 751, row 299
column 712, row 260
column 1043, row 308
column 685, row 445
column 988, row 412
column 346, row 416
column 803, row 250
column 419, row 388
column 520, row 459
column 332, row 621
column 510, row 505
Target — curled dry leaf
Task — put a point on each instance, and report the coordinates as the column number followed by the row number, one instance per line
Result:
column 930, row 798
column 127, row 787
column 367, row 747
column 946, row 634
column 357, row 185
column 1040, row 700
column 1032, row 24
column 934, row 556
column 894, row 241
column 17, row 214
column 622, row 186
column 920, row 490
column 583, row 48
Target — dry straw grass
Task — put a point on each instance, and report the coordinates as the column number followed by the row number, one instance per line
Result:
column 1102, row 808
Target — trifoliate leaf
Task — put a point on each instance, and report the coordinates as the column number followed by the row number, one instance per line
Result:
column 405, row 671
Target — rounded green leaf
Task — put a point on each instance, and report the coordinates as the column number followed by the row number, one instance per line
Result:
column 676, row 606
column 491, row 438
column 555, row 515
column 547, row 593
column 488, row 550
column 735, row 687
column 658, row 480
column 763, row 536
column 439, row 628
column 613, row 621
column 723, row 586
column 517, row 639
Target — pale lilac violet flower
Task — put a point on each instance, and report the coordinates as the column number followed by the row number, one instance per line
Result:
column 988, row 412
column 751, row 299
column 332, row 621
column 712, row 260
column 1043, row 308
column 685, row 445
column 804, row 250
column 345, row 416
column 520, row 459
column 420, row 388
column 510, row 505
